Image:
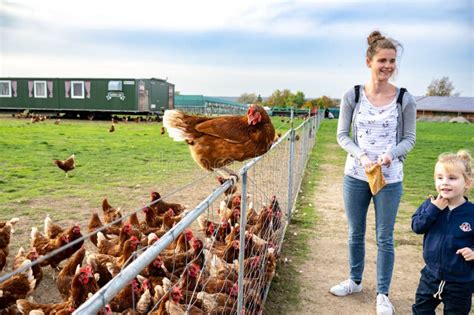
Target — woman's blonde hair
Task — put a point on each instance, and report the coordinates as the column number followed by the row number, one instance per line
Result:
column 460, row 160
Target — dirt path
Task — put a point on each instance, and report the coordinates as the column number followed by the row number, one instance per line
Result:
column 327, row 264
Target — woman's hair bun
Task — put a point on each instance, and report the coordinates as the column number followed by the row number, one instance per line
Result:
column 373, row 37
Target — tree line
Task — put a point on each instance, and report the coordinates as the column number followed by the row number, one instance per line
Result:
column 285, row 98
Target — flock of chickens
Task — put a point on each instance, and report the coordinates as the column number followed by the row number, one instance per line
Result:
column 196, row 274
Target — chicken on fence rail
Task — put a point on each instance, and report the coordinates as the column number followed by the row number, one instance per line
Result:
column 215, row 142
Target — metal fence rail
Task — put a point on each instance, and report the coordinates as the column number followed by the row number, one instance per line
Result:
column 276, row 176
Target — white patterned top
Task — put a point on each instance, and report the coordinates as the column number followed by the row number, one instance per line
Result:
column 376, row 134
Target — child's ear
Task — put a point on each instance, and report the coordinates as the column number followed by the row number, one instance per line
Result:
column 468, row 184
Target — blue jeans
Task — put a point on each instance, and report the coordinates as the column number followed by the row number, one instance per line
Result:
column 457, row 297
column 357, row 198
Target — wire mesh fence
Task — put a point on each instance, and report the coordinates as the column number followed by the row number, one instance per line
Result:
column 216, row 255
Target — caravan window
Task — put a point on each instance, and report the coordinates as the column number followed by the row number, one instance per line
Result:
column 115, row 85
column 77, row 89
column 40, row 89
column 5, row 89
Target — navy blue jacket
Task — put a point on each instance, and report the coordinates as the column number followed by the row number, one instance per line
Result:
column 444, row 233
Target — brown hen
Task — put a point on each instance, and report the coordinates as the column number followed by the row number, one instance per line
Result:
column 6, row 230
column 17, row 287
column 215, row 142
column 66, row 165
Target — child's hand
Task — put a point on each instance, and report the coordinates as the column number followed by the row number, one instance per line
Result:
column 467, row 253
column 439, row 202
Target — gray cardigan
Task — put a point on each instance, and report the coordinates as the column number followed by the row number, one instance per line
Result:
column 406, row 127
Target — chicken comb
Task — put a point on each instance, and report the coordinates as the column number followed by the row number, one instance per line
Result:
column 197, row 243
column 87, row 270
column 251, row 109
column 188, row 234
column 177, row 292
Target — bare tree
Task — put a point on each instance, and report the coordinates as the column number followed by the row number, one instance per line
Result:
column 440, row 87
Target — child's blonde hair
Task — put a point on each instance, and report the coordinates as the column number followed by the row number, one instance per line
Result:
column 460, row 160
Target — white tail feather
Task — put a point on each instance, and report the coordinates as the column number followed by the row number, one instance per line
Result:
column 29, row 274
column 140, row 278
column 172, row 120
column 223, row 206
column 100, row 238
column 202, row 224
column 166, row 284
column 47, row 224
column 34, row 232
column 13, row 221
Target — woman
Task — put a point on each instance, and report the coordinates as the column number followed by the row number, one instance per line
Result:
column 382, row 118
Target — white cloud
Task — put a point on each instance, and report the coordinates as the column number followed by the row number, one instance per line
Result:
column 41, row 42
column 188, row 78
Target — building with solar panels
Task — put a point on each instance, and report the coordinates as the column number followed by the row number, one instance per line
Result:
column 444, row 108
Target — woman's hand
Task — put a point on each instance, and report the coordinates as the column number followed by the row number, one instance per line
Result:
column 365, row 161
column 385, row 159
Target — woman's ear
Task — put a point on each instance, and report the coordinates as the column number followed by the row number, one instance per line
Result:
column 367, row 62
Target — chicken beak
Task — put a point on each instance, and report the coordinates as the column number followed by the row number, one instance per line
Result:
column 249, row 119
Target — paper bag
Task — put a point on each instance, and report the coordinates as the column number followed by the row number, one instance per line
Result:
column 375, row 177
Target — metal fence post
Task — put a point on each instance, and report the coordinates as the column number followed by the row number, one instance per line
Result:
column 243, row 221
column 290, row 168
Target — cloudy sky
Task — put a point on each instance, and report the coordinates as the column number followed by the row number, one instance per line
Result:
column 226, row 48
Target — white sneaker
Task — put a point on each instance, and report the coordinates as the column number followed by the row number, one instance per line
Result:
column 384, row 306
column 345, row 288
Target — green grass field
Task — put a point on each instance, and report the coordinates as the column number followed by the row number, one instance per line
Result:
column 135, row 154
column 107, row 163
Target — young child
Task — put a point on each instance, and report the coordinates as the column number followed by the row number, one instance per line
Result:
column 447, row 223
